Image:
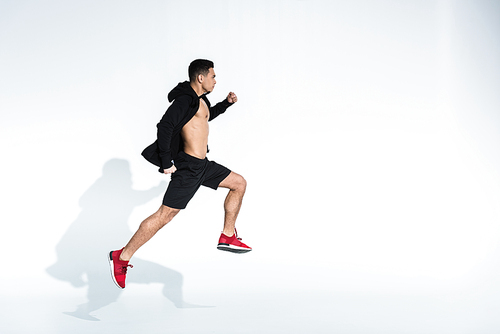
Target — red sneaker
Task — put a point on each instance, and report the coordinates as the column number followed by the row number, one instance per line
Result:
column 232, row 244
column 118, row 268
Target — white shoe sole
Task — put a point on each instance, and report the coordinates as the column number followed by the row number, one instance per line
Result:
column 233, row 248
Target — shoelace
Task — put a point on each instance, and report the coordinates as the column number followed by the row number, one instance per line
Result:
column 236, row 234
column 124, row 268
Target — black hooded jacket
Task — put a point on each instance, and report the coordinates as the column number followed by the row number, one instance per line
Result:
column 185, row 105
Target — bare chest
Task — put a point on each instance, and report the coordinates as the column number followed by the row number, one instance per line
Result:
column 199, row 122
column 203, row 111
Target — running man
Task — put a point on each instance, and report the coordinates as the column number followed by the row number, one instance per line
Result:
column 180, row 150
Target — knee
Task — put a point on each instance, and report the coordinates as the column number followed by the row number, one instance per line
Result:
column 234, row 182
column 241, row 184
column 166, row 214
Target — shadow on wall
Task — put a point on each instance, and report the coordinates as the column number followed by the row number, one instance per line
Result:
column 101, row 227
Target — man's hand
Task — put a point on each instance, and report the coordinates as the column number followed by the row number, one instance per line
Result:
column 170, row 170
column 232, row 98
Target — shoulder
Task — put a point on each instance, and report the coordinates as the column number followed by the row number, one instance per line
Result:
column 183, row 103
column 183, row 100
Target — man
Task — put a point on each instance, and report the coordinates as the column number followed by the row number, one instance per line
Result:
column 180, row 151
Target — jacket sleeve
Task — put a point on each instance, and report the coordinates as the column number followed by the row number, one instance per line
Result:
column 167, row 126
column 219, row 108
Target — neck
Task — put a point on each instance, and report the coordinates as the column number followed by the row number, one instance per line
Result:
column 197, row 88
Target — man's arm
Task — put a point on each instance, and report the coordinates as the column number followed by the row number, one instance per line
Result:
column 166, row 127
column 221, row 107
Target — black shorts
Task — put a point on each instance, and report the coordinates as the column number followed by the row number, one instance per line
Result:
column 192, row 173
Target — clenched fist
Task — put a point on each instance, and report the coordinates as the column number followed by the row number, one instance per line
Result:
column 232, row 98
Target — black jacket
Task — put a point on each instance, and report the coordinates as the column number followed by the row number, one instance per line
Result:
column 184, row 107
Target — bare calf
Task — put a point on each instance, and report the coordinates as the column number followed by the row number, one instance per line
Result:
column 147, row 229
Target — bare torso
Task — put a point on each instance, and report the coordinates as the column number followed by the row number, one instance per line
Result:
column 195, row 132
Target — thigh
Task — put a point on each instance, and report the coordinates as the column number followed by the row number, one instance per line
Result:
column 215, row 174
column 183, row 185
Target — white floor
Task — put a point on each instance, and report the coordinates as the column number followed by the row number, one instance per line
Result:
column 295, row 300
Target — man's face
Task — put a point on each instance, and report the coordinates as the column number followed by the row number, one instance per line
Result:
column 208, row 83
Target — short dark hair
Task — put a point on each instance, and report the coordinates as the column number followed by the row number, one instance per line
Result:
column 199, row 66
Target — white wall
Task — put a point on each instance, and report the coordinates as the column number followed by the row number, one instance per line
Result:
column 368, row 132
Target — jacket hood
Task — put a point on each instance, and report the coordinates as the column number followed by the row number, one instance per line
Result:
column 183, row 88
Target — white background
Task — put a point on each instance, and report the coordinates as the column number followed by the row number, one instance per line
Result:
column 368, row 132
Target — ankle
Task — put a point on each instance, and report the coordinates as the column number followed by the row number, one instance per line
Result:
column 123, row 258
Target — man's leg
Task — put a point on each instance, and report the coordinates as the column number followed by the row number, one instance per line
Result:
column 237, row 186
column 229, row 240
column 147, row 229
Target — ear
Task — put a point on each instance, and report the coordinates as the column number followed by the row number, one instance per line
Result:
column 200, row 78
